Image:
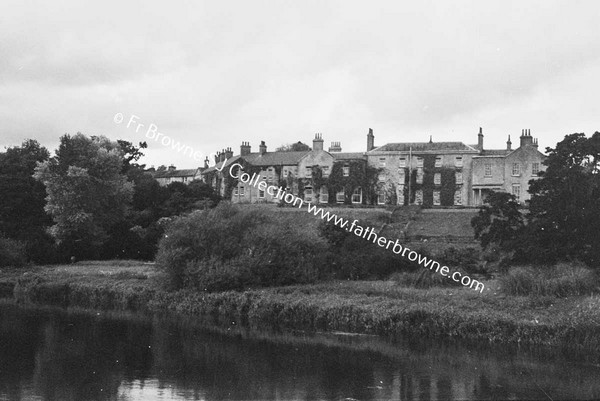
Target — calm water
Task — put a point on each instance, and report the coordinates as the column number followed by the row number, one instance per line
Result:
column 49, row 354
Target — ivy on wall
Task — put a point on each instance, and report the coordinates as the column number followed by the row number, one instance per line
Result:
column 447, row 187
column 361, row 175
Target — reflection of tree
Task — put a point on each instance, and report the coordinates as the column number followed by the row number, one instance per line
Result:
column 74, row 357
column 16, row 367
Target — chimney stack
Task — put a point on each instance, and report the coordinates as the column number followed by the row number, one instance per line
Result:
column 245, row 149
column 370, row 140
column 172, row 167
column 318, row 142
column 508, row 144
column 335, row 147
column 228, row 153
column 526, row 138
column 206, row 162
column 480, row 139
column 262, row 147
column 222, row 155
column 217, row 157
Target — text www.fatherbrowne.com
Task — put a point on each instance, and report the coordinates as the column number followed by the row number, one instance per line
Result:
column 367, row 233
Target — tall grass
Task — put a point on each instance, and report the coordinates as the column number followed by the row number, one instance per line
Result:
column 561, row 280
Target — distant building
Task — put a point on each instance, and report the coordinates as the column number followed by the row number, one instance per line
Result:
column 452, row 173
column 171, row 175
column 507, row 170
column 294, row 171
column 423, row 173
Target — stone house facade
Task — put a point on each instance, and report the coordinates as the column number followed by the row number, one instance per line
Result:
column 507, row 170
column 305, row 173
column 430, row 173
column 453, row 173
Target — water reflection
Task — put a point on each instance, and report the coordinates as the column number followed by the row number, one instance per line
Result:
column 48, row 354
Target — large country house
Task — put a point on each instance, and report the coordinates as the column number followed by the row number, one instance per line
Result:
column 423, row 173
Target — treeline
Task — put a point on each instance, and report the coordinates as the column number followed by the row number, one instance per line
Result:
column 92, row 200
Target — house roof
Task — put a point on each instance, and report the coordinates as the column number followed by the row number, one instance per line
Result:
column 347, row 155
column 276, row 158
column 266, row 159
column 495, row 152
column 176, row 173
column 280, row 158
column 424, row 147
column 220, row 164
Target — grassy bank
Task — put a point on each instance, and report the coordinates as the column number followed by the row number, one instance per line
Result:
column 376, row 307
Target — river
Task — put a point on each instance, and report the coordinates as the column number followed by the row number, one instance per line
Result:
column 53, row 354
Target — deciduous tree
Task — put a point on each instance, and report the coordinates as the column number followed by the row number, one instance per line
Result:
column 564, row 218
column 87, row 191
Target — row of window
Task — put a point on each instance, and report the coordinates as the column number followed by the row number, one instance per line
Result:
column 340, row 196
column 458, row 161
column 437, row 177
column 309, row 195
column 516, row 169
column 437, row 197
column 325, row 170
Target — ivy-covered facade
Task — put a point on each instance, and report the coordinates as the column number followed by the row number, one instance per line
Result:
column 317, row 176
column 431, row 174
column 424, row 174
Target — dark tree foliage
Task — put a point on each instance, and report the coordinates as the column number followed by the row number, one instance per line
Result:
column 131, row 153
column 22, row 200
column 353, row 257
column 88, row 194
column 294, row 147
column 564, row 218
column 499, row 221
column 137, row 237
column 563, row 222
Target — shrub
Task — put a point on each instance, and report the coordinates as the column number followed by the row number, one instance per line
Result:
column 12, row 253
column 353, row 257
column 232, row 248
column 561, row 280
column 461, row 258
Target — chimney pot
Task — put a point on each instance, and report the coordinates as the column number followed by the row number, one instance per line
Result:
column 245, row 149
column 335, row 147
column 526, row 138
column 318, row 142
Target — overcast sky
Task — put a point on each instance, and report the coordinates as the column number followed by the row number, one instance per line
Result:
column 213, row 74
